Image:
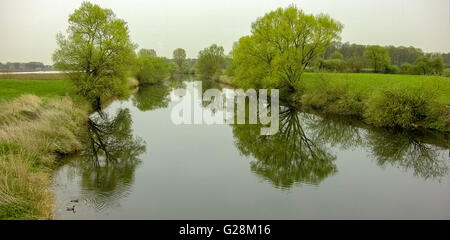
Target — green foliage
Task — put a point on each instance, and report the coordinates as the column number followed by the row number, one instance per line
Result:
column 400, row 55
column 210, row 62
column 346, row 49
column 399, row 108
column 335, row 97
column 147, row 52
column 333, row 65
column 230, row 67
column 97, row 52
column 406, row 68
column 151, row 70
column 429, row 66
column 179, row 57
column 337, row 55
column 378, row 58
column 355, row 64
column 391, row 69
column 403, row 101
column 282, row 45
column 446, row 72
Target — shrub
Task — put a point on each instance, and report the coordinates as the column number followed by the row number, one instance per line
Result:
column 446, row 72
column 334, row 98
column 399, row 108
column 332, row 65
column 355, row 64
column 392, row 69
column 406, row 68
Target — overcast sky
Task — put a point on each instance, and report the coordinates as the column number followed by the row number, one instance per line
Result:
column 28, row 27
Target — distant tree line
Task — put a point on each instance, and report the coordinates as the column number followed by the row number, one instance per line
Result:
column 29, row 66
column 346, row 57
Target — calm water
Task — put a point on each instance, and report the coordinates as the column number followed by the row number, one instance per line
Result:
column 139, row 165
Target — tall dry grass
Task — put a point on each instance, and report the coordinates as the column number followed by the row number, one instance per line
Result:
column 34, row 133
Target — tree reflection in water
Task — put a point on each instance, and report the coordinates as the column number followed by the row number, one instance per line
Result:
column 411, row 151
column 110, row 160
column 288, row 157
column 408, row 151
column 152, row 97
column 294, row 155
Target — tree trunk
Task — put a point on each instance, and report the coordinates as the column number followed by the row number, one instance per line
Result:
column 97, row 105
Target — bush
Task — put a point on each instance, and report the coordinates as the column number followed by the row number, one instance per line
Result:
column 446, row 72
column 391, row 69
column 332, row 65
column 333, row 98
column 428, row 66
column 399, row 108
column 355, row 64
column 406, row 68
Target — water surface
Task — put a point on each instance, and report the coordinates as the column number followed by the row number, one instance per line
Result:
column 139, row 165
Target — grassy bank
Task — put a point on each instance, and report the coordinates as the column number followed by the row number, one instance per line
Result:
column 396, row 101
column 34, row 133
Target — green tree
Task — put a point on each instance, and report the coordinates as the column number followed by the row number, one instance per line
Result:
column 422, row 66
column 147, row 52
column 406, row 68
column 96, row 53
column 179, row 56
column 337, row 55
column 210, row 62
column 400, row 55
column 437, row 64
column 332, row 65
column 151, row 70
column 428, row 66
column 378, row 58
column 282, row 45
column 355, row 64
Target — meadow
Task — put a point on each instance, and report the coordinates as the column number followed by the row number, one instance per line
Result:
column 13, row 88
column 370, row 83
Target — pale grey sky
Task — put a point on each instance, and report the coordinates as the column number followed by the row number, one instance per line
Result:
column 28, row 27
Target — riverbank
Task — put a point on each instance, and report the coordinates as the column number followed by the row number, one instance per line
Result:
column 390, row 101
column 41, row 121
column 383, row 100
column 34, row 134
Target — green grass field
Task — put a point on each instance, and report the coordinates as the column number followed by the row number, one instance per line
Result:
column 368, row 84
column 393, row 101
column 12, row 88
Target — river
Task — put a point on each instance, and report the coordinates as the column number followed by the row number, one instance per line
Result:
column 139, row 165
